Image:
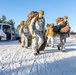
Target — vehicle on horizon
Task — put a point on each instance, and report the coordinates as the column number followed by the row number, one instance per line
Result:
column 5, row 32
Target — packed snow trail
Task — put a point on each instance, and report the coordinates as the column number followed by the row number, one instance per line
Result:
column 16, row 60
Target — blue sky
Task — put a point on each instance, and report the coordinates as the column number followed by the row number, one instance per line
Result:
column 19, row 9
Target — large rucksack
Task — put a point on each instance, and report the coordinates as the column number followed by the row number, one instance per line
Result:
column 59, row 19
column 32, row 14
column 64, row 28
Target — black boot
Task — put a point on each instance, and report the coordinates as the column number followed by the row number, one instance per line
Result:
column 47, row 45
column 38, row 52
column 58, row 47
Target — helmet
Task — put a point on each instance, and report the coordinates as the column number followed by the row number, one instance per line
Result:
column 41, row 12
column 22, row 23
column 65, row 17
column 25, row 22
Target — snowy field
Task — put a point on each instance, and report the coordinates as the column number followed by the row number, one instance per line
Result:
column 15, row 60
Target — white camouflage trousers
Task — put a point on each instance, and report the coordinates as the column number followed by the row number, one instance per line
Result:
column 37, row 41
column 50, row 38
column 62, row 41
column 24, row 40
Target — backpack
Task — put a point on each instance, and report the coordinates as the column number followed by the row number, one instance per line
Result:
column 25, row 29
column 32, row 14
column 63, row 29
column 59, row 19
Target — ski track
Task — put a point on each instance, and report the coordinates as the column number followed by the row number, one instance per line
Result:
column 15, row 60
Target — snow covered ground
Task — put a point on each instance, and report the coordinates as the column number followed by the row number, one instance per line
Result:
column 15, row 60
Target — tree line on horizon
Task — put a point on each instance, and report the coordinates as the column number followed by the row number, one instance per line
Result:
column 10, row 22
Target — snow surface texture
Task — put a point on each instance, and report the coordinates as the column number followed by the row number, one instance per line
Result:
column 15, row 60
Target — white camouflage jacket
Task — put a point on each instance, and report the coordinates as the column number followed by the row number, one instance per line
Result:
column 37, row 25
